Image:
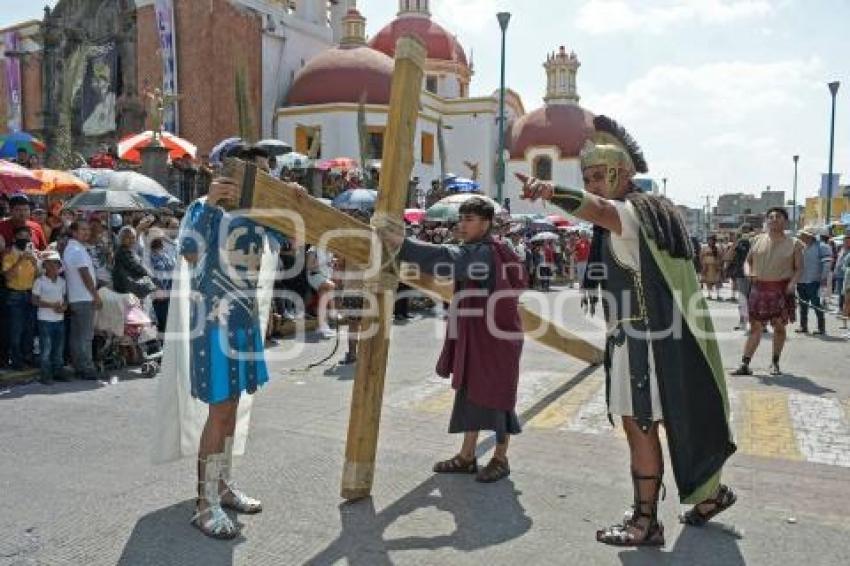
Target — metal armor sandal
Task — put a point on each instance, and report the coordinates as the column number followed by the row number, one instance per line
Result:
column 652, row 533
column 212, row 521
column 231, row 496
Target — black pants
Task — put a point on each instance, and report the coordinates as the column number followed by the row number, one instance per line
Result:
column 402, row 302
column 809, row 295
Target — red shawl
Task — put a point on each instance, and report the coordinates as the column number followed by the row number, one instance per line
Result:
column 484, row 357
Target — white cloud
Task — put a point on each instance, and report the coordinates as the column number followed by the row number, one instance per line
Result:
column 471, row 16
column 723, row 126
column 612, row 16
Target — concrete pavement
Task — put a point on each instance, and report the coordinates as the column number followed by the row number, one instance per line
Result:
column 78, row 487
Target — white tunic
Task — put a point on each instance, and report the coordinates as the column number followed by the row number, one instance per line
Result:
column 626, row 248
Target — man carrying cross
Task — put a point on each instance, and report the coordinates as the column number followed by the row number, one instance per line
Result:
column 661, row 359
column 214, row 349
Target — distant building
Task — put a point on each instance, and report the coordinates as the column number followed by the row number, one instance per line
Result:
column 745, row 203
column 647, row 185
column 694, row 220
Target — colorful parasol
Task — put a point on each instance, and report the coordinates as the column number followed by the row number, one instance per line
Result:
column 558, row 220
column 414, row 215
column 128, row 148
column 11, row 143
column 16, row 179
column 53, row 182
column 338, row 164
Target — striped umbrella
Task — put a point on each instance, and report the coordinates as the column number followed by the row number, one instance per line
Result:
column 128, row 148
column 16, row 179
column 11, row 143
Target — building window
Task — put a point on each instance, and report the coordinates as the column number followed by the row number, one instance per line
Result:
column 427, row 152
column 308, row 140
column 431, row 84
column 375, row 144
column 543, row 168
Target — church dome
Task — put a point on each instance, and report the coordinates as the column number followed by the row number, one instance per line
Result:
column 566, row 127
column 441, row 45
column 343, row 75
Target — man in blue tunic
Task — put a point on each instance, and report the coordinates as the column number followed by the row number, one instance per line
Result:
column 225, row 254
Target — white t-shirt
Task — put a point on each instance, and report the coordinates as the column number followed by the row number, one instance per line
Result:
column 75, row 257
column 51, row 292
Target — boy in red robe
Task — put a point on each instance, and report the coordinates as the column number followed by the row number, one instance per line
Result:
column 484, row 335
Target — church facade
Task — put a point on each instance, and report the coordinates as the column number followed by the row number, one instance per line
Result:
column 343, row 93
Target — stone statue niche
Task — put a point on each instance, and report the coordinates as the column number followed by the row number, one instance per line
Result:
column 91, row 95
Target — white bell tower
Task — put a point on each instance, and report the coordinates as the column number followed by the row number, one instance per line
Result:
column 338, row 10
column 414, row 8
column 561, row 69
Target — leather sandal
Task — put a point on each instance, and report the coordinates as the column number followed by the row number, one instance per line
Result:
column 457, row 465
column 724, row 499
column 494, row 471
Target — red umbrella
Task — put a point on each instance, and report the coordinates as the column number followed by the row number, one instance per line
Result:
column 128, row 148
column 558, row 220
column 339, row 163
column 15, row 179
column 414, row 215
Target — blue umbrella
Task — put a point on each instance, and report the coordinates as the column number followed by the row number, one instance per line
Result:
column 461, row 185
column 356, row 199
column 221, row 148
column 11, row 143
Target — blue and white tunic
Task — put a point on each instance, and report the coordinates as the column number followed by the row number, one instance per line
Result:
column 226, row 339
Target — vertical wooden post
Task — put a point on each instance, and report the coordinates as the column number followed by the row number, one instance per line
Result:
column 396, row 167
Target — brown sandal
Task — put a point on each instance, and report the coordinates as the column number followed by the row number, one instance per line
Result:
column 457, row 465
column 494, row 471
column 724, row 499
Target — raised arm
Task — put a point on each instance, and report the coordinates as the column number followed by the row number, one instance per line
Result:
column 574, row 201
column 462, row 263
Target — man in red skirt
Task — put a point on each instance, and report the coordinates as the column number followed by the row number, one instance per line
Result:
column 774, row 265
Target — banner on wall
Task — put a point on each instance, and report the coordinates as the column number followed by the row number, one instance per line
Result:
column 12, row 70
column 168, row 49
column 97, row 105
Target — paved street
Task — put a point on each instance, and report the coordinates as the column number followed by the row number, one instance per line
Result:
column 78, row 488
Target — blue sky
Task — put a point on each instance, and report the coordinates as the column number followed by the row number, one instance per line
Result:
column 720, row 93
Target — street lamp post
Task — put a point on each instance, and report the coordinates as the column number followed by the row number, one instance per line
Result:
column 794, row 210
column 833, row 90
column 664, row 180
column 504, row 18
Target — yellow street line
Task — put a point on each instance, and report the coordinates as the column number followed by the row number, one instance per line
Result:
column 567, row 406
column 764, row 426
column 440, row 403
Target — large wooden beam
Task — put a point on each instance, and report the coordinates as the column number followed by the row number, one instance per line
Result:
column 276, row 204
column 541, row 330
column 397, row 165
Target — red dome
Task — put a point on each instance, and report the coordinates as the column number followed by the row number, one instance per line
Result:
column 440, row 43
column 566, row 126
column 343, row 75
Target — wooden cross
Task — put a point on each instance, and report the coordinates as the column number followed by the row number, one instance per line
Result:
column 277, row 204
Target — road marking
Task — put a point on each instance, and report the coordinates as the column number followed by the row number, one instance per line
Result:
column 764, row 426
column 823, row 435
column 592, row 418
column 567, row 406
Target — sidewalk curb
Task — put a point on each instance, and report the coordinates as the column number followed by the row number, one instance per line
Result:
column 18, row 377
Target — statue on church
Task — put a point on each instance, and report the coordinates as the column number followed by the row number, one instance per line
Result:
column 158, row 102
